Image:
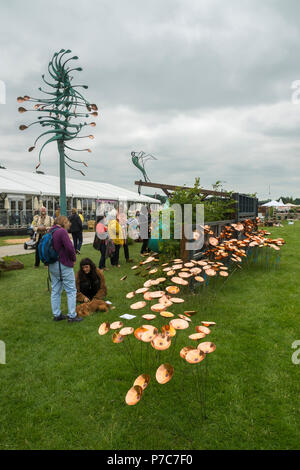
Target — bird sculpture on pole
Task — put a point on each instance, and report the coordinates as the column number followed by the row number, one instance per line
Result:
column 60, row 109
column 139, row 159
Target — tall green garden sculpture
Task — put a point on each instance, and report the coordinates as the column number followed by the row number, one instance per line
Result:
column 60, row 109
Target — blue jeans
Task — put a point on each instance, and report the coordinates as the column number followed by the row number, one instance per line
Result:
column 57, row 286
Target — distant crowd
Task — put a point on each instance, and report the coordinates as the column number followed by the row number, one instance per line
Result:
column 85, row 291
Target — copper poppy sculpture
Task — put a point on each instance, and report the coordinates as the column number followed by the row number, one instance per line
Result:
column 152, row 347
column 161, row 341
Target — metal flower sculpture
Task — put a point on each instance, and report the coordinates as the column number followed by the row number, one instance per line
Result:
column 60, row 109
column 139, row 159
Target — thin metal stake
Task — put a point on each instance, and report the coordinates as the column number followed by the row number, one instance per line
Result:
column 131, row 353
column 127, row 357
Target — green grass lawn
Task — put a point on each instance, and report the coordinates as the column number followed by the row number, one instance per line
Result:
column 63, row 386
column 15, row 240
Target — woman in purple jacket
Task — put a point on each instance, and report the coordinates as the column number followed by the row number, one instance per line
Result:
column 62, row 274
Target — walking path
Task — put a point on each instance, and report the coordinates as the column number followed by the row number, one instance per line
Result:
column 15, row 250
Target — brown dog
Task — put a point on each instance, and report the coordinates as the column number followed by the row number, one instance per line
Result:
column 85, row 309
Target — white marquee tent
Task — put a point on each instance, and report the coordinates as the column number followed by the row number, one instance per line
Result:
column 22, row 192
column 23, row 183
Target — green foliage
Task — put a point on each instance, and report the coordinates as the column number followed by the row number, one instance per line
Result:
column 9, row 259
column 218, row 209
column 170, row 215
column 290, row 200
column 161, row 198
column 187, row 196
column 169, row 249
column 215, row 208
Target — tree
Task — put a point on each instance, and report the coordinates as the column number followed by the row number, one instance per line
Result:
column 59, row 111
column 159, row 197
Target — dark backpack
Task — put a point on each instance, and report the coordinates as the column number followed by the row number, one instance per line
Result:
column 46, row 250
column 96, row 242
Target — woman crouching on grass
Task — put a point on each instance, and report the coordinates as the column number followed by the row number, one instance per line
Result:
column 91, row 289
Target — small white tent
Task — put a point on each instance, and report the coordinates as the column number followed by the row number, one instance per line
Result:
column 272, row 204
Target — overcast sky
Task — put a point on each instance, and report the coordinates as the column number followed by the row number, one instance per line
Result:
column 204, row 85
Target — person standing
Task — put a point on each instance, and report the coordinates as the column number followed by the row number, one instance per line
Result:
column 149, row 223
column 124, row 224
column 116, row 235
column 61, row 272
column 81, row 233
column 41, row 223
column 81, row 216
column 76, row 230
column 102, row 234
column 144, row 219
column 132, row 224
